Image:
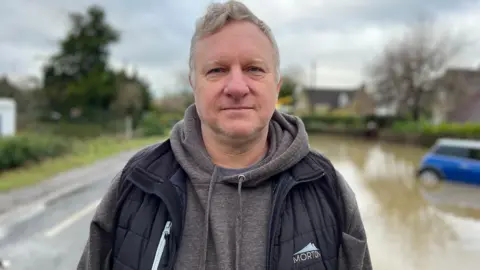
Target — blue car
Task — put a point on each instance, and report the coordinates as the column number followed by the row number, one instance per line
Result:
column 453, row 160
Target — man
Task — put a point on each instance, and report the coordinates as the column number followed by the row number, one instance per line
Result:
column 236, row 185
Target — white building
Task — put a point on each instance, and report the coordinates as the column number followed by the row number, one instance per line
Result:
column 8, row 110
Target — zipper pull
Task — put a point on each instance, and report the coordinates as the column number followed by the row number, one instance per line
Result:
column 168, row 227
column 161, row 245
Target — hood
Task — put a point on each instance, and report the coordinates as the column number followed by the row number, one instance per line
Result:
column 287, row 145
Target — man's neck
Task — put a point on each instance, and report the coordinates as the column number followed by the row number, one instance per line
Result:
column 235, row 155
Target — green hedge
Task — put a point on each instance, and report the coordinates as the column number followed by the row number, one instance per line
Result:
column 465, row 130
column 392, row 129
column 325, row 120
column 426, row 134
column 468, row 130
column 321, row 122
column 24, row 149
column 393, row 124
column 384, row 121
column 76, row 130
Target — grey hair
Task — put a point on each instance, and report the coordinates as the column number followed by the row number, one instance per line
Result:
column 218, row 15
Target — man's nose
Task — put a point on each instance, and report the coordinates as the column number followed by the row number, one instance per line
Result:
column 236, row 86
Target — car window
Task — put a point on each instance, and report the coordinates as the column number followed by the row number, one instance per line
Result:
column 475, row 154
column 453, row 151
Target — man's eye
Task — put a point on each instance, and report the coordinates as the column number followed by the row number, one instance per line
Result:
column 255, row 69
column 216, row 70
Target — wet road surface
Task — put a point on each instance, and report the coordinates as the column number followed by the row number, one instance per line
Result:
column 53, row 236
column 408, row 227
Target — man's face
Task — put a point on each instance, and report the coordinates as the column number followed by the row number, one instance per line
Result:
column 234, row 82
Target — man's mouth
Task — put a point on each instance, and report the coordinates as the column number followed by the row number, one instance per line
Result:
column 237, row 108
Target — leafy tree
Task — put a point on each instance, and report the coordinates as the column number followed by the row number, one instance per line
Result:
column 292, row 77
column 78, row 76
column 288, row 87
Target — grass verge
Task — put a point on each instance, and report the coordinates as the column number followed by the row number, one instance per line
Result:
column 84, row 153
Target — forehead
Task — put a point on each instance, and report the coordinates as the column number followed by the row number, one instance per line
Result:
column 236, row 40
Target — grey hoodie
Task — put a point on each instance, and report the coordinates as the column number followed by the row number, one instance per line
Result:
column 228, row 210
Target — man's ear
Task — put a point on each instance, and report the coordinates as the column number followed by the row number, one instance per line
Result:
column 279, row 85
column 191, row 80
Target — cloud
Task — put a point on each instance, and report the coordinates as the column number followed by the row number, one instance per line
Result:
column 342, row 36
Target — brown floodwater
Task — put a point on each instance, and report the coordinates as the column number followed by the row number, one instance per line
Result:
column 408, row 226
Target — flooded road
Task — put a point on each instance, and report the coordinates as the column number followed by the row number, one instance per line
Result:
column 408, row 226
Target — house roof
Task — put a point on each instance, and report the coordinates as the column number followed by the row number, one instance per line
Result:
column 330, row 96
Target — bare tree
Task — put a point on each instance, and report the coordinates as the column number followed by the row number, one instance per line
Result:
column 406, row 74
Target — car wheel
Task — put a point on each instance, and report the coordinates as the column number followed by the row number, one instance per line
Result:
column 430, row 178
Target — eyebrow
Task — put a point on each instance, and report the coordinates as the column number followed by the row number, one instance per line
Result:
column 221, row 60
column 259, row 61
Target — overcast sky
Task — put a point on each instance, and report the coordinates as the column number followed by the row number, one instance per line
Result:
column 342, row 35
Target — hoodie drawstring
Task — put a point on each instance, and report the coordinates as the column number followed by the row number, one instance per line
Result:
column 203, row 259
column 238, row 222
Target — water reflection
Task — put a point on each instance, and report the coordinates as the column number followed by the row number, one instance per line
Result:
column 458, row 199
column 409, row 227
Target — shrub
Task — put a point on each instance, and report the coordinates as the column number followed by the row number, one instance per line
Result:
column 152, row 125
column 170, row 119
column 468, row 130
column 76, row 130
column 333, row 119
column 453, row 130
column 325, row 121
column 384, row 121
column 23, row 149
column 407, row 127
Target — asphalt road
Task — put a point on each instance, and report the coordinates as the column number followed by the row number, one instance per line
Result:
column 52, row 235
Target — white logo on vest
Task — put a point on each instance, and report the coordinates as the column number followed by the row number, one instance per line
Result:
column 307, row 253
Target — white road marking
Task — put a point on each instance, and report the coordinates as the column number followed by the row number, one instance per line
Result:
column 72, row 219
